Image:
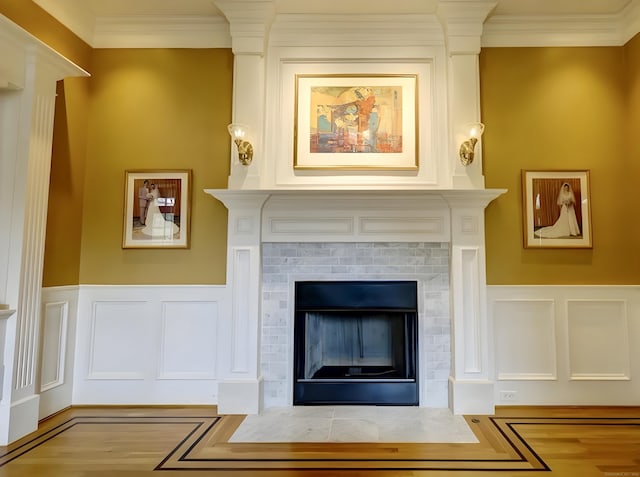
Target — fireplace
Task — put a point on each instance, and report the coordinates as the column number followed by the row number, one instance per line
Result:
column 355, row 342
column 277, row 238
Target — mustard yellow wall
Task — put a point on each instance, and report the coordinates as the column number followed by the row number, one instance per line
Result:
column 545, row 108
column 560, row 109
column 141, row 109
column 156, row 109
column 631, row 157
column 66, row 189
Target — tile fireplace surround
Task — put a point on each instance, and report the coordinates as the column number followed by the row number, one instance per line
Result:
column 278, row 237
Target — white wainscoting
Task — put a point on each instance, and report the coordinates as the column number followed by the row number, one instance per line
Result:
column 566, row 345
column 145, row 344
column 59, row 313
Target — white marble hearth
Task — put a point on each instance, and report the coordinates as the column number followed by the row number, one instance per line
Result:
column 354, row 424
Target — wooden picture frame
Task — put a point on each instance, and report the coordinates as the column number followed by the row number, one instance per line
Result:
column 556, row 209
column 356, row 122
column 156, row 209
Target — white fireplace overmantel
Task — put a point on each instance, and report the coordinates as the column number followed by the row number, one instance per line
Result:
column 257, row 216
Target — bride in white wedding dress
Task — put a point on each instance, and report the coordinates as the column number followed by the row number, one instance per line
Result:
column 567, row 223
column 157, row 226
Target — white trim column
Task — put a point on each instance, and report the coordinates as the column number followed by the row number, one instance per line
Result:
column 462, row 22
column 471, row 381
column 240, row 385
column 250, row 21
column 27, row 100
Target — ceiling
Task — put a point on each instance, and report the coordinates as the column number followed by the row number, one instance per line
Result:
column 102, row 8
column 84, row 17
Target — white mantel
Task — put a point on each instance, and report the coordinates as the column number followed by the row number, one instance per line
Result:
column 314, row 215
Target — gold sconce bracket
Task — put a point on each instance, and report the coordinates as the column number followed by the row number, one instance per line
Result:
column 467, row 148
column 244, row 147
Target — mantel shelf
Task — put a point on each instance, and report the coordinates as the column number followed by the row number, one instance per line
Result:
column 459, row 197
column 6, row 313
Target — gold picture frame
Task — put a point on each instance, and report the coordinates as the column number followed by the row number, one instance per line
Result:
column 356, row 122
column 157, row 209
column 556, row 209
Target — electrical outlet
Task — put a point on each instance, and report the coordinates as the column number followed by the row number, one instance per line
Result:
column 508, row 395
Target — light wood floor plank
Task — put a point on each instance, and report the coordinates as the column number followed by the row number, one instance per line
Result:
column 193, row 441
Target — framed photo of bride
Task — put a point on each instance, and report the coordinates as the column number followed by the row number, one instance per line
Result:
column 156, row 209
column 556, row 209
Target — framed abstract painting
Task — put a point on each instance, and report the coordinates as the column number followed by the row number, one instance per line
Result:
column 356, row 122
column 156, row 209
column 556, row 209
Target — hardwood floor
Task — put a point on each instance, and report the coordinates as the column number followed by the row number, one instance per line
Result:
column 131, row 442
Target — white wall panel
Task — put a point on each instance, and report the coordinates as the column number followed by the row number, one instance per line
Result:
column 148, row 344
column 57, row 349
column 598, row 339
column 54, row 344
column 120, row 340
column 589, row 334
column 525, row 339
column 188, row 341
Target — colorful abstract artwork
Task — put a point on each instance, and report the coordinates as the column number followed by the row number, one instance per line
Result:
column 356, row 122
column 359, row 119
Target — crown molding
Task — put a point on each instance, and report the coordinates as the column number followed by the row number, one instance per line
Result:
column 311, row 30
column 161, row 31
column 563, row 30
column 556, row 30
column 82, row 22
column 631, row 20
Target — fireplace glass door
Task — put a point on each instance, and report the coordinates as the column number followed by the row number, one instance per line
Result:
column 355, row 343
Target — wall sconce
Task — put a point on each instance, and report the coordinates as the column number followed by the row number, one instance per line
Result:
column 467, row 148
column 245, row 149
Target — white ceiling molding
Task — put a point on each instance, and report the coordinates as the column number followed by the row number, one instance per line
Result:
column 553, row 30
column 513, row 23
column 611, row 29
column 162, row 31
column 631, row 20
column 310, row 30
column 81, row 21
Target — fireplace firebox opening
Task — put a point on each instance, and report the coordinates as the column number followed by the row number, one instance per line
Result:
column 355, row 342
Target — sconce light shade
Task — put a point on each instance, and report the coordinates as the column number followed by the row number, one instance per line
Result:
column 245, row 149
column 467, row 148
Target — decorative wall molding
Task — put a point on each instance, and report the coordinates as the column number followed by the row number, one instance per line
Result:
column 598, row 339
column 559, row 362
column 55, row 329
column 533, row 358
column 57, row 352
column 141, row 344
column 566, row 345
column 187, row 340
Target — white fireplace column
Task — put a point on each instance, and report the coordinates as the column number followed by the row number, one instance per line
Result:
column 249, row 23
column 462, row 22
column 471, row 381
column 240, row 383
column 29, row 71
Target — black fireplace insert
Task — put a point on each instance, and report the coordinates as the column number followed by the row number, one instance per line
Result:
column 355, row 342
